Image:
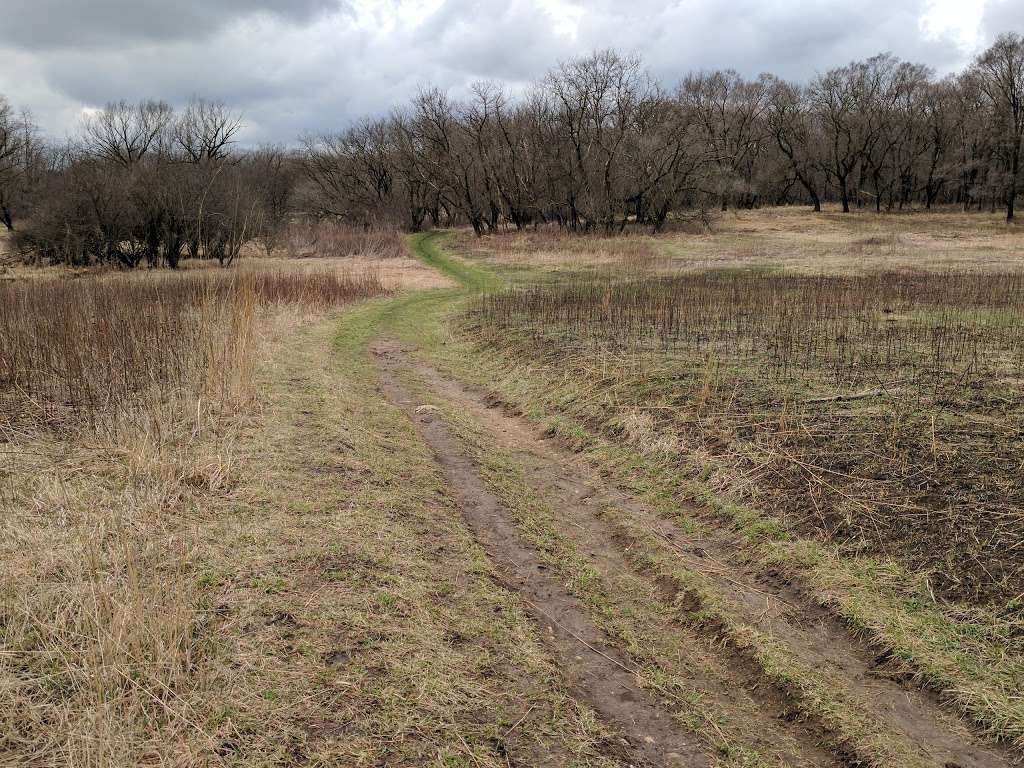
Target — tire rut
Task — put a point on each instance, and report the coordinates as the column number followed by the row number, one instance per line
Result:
column 809, row 632
column 599, row 673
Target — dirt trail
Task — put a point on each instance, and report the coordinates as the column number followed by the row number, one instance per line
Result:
column 602, row 676
column 809, row 633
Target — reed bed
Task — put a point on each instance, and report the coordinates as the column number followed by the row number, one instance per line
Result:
column 883, row 412
column 74, row 350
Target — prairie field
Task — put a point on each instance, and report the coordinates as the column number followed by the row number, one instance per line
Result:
column 736, row 496
column 783, row 238
column 879, row 411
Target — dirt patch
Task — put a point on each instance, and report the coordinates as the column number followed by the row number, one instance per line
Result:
column 810, row 635
column 600, row 674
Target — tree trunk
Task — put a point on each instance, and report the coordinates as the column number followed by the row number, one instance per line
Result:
column 1011, row 193
column 844, row 194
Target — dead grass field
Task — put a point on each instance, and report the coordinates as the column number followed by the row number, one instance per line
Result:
column 879, row 412
column 365, row 548
column 399, row 273
column 790, row 239
column 795, row 240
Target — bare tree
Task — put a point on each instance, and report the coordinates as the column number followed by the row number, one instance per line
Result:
column 850, row 104
column 125, row 133
column 939, row 106
column 790, row 120
column 1000, row 72
column 352, row 171
column 146, row 185
column 595, row 102
column 731, row 112
column 21, row 162
column 205, row 130
column 10, row 154
column 274, row 172
column 595, row 145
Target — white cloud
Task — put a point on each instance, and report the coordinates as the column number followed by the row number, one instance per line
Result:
column 956, row 20
column 565, row 17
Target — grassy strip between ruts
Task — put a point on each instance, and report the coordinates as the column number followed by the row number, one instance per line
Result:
column 962, row 657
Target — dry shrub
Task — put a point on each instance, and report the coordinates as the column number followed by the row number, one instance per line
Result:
column 338, row 240
column 882, row 412
column 122, row 402
column 849, row 328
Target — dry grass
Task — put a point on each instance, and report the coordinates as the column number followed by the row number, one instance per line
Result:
column 124, row 397
column 796, row 240
column 791, row 239
column 306, row 247
column 920, row 314
column 854, row 329
column 836, row 398
column 101, row 619
column 552, row 249
column 284, row 587
column 398, row 273
column 337, row 240
column 358, row 620
column 107, row 345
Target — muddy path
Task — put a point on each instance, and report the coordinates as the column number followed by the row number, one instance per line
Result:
column 925, row 732
column 599, row 673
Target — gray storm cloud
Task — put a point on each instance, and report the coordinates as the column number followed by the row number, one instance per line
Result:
column 47, row 24
column 296, row 66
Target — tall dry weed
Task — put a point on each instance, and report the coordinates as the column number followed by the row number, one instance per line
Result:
column 121, row 403
column 338, row 240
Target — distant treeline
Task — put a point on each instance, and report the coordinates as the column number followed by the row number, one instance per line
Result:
column 595, row 145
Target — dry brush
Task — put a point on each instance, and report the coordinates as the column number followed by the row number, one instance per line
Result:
column 122, row 402
column 882, row 412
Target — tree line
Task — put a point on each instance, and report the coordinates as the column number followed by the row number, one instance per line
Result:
column 141, row 183
column 597, row 144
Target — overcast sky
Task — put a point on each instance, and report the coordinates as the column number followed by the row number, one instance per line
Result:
column 297, row 66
